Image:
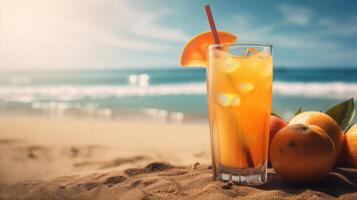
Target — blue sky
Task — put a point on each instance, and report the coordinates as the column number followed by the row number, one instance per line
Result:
column 71, row 34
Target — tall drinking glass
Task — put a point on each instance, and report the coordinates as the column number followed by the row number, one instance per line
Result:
column 239, row 87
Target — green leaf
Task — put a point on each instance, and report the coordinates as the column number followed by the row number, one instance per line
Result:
column 276, row 115
column 342, row 113
column 348, row 127
column 298, row 111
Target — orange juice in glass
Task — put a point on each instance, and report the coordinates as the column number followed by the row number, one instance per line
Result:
column 239, row 87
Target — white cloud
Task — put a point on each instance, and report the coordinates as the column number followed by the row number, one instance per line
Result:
column 50, row 33
column 347, row 27
column 296, row 14
column 299, row 49
column 145, row 25
column 242, row 25
column 267, row 34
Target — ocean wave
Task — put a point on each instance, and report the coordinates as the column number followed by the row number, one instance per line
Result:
column 69, row 92
column 28, row 94
column 316, row 89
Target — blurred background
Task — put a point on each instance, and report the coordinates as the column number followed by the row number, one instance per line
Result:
column 119, row 59
column 89, row 86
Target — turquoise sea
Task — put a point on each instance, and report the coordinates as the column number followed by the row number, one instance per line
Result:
column 170, row 94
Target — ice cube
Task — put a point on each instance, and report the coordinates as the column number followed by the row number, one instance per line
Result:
column 266, row 74
column 230, row 64
column 245, row 88
column 250, row 52
column 227, row 100
column 263, row 55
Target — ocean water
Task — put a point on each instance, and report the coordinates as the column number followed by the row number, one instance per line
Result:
column 171, row 94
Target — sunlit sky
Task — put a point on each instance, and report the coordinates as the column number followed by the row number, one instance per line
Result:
column 71, row 34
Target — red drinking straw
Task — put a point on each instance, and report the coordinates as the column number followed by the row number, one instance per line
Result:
column 212, row 24
column 248, row 155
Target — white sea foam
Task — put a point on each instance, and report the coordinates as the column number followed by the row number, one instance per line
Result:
column 28, row 94
column 68, row 93
column 317, row 89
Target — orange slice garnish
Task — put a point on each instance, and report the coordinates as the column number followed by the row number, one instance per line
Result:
column 195, row 51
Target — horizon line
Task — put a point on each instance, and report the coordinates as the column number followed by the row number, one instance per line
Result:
column 173, row 67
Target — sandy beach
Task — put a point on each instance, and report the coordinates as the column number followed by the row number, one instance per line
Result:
column 67, row 158
column 46, row 148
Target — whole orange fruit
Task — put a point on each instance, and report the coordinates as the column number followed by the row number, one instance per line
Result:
column 326, row 123
column 302, row 154
column 350, row 151
column 275, row 124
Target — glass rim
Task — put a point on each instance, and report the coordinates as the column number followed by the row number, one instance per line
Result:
column 240, row 44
